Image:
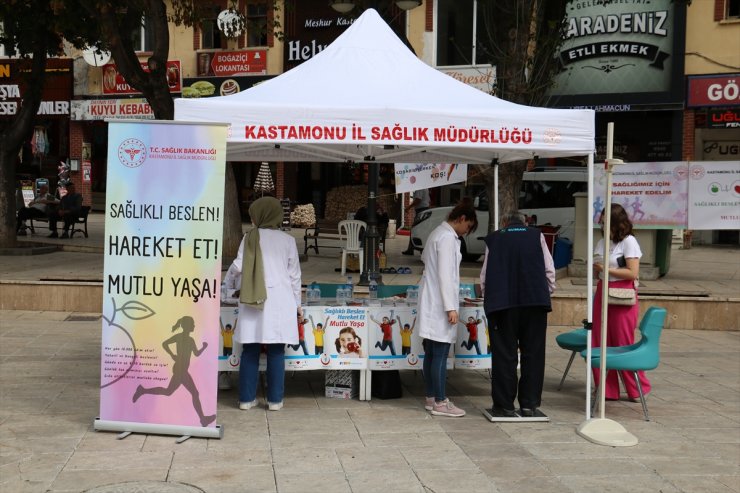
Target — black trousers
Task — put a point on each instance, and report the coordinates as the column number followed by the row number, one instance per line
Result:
column 524, row 329
column 27, row 213
column 68, row 218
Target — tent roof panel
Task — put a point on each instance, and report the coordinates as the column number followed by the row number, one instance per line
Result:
column 367, row 95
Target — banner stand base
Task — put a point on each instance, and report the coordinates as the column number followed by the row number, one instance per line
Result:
column 603, row 431
column 126, row 428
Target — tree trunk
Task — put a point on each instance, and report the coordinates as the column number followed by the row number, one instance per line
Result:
column 7, row 196
column 116, row 29
column 232, row 218
column 520, row 38
column 11, row 140
column 509, row 184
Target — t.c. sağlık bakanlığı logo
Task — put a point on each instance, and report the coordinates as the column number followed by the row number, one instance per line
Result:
column 132, row 153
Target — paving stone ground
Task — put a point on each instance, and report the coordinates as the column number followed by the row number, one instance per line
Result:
column 49, row 377
column 49, row 373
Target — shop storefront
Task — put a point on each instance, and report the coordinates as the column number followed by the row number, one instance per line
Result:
column 231, row 82
column 90, row 136
column 334, row 190
column 712, row 131
column 107, row 97
column 626, row 62
column 48, row 144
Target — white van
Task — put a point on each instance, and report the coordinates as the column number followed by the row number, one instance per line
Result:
column 546, row 194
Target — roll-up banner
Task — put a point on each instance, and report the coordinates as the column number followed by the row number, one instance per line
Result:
column 714, row 191
column 653, row 194
column 162, row 276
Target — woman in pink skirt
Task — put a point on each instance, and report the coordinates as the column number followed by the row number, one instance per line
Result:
column 623, row 271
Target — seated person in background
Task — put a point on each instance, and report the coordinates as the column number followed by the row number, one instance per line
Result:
column 68, row 210
column 37, row 208
column 381, row 216
column 231, row 286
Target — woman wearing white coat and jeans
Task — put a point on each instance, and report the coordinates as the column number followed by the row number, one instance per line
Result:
column 270, row 298
column 438, row 303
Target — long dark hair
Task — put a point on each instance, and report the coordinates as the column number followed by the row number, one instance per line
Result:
column 347, row 330
column 621, row 226
column 465, row 208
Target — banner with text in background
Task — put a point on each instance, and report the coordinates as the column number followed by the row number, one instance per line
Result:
column 654, row 195
column 714, row 191
column 162, row 274
column 415, row 176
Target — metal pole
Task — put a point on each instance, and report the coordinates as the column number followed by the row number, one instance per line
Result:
column 607, row 218
column 372, row 238
column 601, row 430
column 496, row 211
column 589, row 277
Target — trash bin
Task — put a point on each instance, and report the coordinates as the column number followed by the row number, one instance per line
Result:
column 663, row 241
column 563, row 252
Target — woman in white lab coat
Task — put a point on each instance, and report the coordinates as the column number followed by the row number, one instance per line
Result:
column 439, row 302
column 269, row 300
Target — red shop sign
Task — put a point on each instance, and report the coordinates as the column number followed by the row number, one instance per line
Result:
column 228, row 63
column 115, row 83
column 715, row 90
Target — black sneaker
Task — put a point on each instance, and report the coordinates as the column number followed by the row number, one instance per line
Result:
column 497, row 414
column 53, row 235
column 64, row 235
column 532, row 415
column 407, row 252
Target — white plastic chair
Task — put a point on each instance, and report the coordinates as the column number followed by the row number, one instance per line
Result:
column 349, row 232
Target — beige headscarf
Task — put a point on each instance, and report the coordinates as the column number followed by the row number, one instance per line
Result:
column 266, row 213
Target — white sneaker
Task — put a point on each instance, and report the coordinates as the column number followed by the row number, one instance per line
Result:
column 429, row 403
column 275, row 407
column 447, row 408
column 247, row 405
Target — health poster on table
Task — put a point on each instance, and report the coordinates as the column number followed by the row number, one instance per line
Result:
column 394, row 342
column 230, row 351
column 473, row 345
column 310, row 353
column 162, row 275
column 345, row 338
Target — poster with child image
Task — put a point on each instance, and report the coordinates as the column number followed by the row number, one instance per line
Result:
column 229, row 355
column 394, row 342
column 311, row 327
column 473, row 346
column 345, row 338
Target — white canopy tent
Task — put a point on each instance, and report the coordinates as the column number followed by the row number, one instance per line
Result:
column 367, row 97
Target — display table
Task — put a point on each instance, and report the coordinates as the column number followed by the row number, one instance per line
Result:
column 368, row 338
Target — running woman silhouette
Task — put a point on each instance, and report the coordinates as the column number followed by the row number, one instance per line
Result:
column 184, row 347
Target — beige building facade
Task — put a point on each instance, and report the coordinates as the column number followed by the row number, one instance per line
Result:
column 712, row 114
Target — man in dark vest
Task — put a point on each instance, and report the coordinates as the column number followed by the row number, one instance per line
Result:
column 517, row 279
